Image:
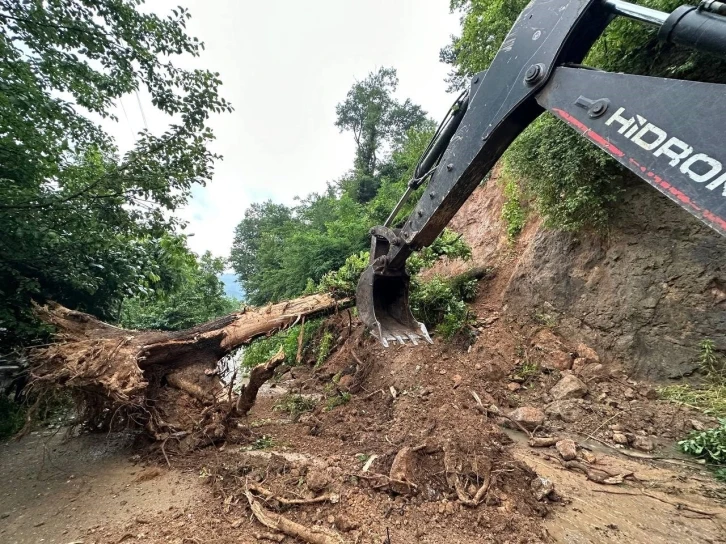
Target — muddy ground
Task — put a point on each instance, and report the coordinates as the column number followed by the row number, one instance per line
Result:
column 99, row 488
column 411, row 444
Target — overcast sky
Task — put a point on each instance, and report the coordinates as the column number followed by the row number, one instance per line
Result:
column 285, row 65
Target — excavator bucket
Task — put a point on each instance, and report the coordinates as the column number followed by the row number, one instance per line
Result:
column 382, row 301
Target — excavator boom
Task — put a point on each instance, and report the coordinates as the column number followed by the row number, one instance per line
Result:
column 669, row 132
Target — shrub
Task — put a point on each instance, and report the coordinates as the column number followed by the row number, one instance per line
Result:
column 338, row 399
column 572, row 183
column 513, row 214
column 709, row 445
column 324, row 347
column 262, row 349
column 294, row 405
column 710, row 397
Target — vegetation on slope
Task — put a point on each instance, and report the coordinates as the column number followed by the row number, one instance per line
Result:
column 572, row 183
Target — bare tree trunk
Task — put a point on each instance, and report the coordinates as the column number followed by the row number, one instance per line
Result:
column 259, row 375
column 165, row 380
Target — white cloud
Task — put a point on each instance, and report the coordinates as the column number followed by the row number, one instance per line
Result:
column 285, row 65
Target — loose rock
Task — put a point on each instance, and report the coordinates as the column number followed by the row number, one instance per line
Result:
column 569, row 387
column 542, row 488
column 587, row 353
column 567, row 449
column 643, row 443
column 317, row 481
column 620, row 438
column 528, row 417
column 345, row 524
column 543, row 441
column 566, row 410
column 402, row 471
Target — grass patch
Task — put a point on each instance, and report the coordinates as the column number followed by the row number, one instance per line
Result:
column 264, row 442
column 294, row 405
column 526, row 371
column 339, row 399
column 710, row 400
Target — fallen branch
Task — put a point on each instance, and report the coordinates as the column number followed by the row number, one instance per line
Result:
column 599, row 476
column 543, row 442
column 276, row 522
column 269, row 495
column 259, row 375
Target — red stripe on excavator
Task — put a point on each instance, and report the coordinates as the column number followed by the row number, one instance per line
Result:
column 587, row 131
column 657, row 180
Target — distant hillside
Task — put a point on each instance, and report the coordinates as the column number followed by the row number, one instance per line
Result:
column 231, row 287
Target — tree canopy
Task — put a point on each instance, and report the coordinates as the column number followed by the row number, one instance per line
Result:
column 81, row 222
column 377, row 121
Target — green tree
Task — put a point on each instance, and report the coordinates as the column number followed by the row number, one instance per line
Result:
column 376, row 119
column 197, row 296
column 572, row 183
column 79, row 221
column 279, row 251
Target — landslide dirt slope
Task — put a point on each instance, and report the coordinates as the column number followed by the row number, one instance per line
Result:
column 401, row 440
column 644, row 294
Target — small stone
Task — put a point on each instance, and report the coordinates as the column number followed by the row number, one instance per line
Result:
column 620, row 438
column 345, row 382
column 629, row 393
column 456, row 378
column 449, row 508
column 477, row 366
column 697, row 426
column 542, row 487
column 442, row 508
column 331, row 519
column 643, row 443
column 569, row 387
column 345, row 524
column 317, row 481
column 578, row 364
column 559, row 360
column 514, row 386
column 648, row 392
column 442, row 371
column 529, row 417
column 402, row 471
column 588, row 456
column 567, row 449
column 586, row 352
column 593, row 372
column 5, row 515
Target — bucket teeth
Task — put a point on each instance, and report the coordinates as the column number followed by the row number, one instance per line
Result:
column 382, row 301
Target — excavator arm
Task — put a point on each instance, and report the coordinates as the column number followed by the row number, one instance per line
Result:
column 669, row 132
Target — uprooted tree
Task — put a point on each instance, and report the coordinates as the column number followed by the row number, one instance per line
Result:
column 165, row 382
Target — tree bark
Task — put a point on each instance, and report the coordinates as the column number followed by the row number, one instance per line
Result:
column 259, row 375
